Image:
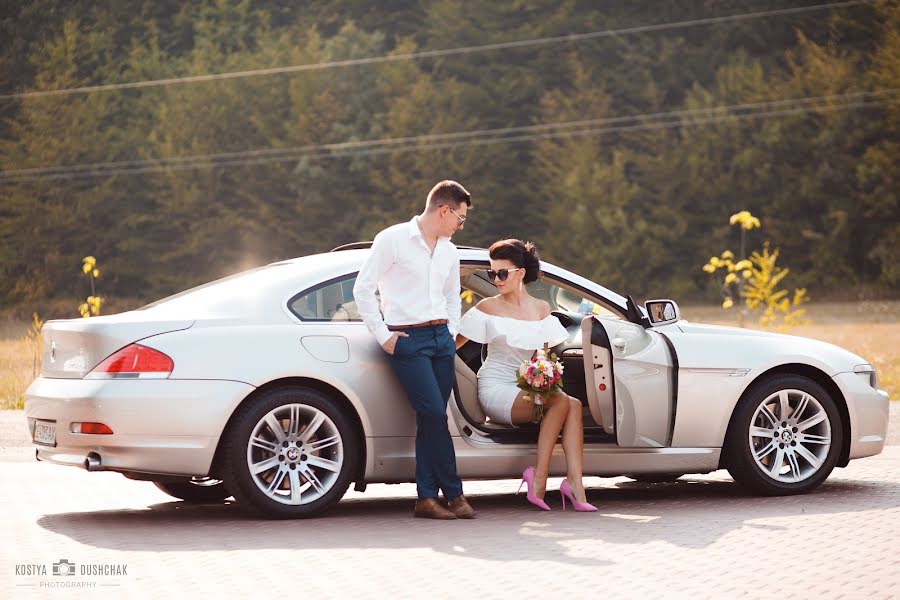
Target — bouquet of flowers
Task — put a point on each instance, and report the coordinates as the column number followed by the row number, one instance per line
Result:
column 539, row 377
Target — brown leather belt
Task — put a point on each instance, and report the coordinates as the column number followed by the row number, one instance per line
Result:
column 425, row 324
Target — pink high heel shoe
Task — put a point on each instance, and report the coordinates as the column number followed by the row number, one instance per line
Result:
column 566, row 492
column 528, row 477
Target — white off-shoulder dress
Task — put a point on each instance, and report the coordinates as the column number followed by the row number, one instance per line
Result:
column 510, row 341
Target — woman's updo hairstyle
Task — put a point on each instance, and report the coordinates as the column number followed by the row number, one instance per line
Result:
column 522, row 254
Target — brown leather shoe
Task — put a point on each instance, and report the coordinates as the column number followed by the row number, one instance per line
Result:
column 461, row 508
column 429, row 508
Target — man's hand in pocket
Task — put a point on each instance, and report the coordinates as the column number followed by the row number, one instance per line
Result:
column 392, row 342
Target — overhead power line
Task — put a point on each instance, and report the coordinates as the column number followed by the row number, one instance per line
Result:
column 647, row 121
column 265, row 152
column 574, row 37
column 360, row 144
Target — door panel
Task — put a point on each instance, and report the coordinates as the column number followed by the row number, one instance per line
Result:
column 598, row 374
column 638, row 363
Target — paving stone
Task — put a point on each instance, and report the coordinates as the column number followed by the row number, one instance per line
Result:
column 699, row 538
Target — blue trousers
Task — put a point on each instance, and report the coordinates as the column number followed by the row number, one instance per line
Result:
column 424, row 364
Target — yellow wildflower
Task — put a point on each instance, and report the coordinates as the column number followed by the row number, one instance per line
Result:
column 728, row 303
column 746, row 220
column 737, row 217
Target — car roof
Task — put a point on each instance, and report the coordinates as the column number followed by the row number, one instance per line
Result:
column 283, row 279
column 347, row 258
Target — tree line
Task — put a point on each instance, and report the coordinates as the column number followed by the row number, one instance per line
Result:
column 621, row 155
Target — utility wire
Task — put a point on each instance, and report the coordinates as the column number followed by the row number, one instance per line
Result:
column 434, row 137
column 653, row 121
column 205, row 158
column 574, row 37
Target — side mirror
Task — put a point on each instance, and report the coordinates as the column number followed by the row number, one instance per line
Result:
column 662, row 312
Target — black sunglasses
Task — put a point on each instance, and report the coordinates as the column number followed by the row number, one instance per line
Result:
column 502, row 273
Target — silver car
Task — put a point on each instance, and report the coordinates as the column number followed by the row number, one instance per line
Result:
column 267, row 386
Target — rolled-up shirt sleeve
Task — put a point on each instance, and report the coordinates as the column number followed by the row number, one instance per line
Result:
column 380, row 259
column 451, row 292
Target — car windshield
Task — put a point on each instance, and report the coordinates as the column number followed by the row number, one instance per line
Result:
column 477, row 286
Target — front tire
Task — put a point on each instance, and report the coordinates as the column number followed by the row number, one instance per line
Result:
column 785, row 436
column 291, row 453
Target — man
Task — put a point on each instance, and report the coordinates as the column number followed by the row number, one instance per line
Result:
column 416, row 269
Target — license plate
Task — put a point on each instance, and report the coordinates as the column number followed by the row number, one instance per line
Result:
column 45, row 433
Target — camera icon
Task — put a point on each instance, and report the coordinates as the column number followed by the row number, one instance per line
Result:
column 63, row 567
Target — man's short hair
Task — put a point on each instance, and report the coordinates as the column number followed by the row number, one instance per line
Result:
column 447, row 193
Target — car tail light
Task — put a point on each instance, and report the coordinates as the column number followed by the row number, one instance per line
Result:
column 133, row 362
column 95, row 428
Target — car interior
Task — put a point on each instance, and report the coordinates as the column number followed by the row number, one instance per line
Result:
column 570, row 308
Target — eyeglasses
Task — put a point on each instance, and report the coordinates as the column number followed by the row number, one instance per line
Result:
column 462, row 220
column 502, row 274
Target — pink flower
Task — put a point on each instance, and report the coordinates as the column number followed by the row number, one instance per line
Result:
column 538, row 381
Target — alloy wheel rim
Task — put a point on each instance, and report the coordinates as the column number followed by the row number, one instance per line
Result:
column 790, row 436
column 295, row 454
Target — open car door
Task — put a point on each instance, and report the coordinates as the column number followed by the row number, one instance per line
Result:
column 630, row 381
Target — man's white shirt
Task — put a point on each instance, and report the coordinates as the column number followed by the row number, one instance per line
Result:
column 416, row 285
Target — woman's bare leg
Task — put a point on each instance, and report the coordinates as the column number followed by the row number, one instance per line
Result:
column 573, row 446
column 556, row 408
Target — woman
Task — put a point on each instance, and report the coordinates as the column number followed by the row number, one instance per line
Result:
column 514, row 324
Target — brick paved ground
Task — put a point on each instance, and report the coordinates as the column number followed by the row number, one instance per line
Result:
column 698, row 538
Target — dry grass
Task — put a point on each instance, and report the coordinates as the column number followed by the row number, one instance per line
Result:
column 16, row 371
column 870, row 329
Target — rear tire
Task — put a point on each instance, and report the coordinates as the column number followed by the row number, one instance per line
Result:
column 785, row 436
column 195, row 490
column 291, row 453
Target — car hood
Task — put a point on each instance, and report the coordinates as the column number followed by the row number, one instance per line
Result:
column 700, row 328
column 720, row 346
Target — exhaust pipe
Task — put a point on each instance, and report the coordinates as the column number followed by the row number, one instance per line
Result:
column 92, row 462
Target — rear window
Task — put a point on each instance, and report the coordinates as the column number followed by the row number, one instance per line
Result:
column 331, row 301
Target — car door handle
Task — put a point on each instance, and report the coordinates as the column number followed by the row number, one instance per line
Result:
column 619, row 343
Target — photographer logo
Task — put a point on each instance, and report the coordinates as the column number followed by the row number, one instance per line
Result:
column 63, row 573
column 63, row 567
